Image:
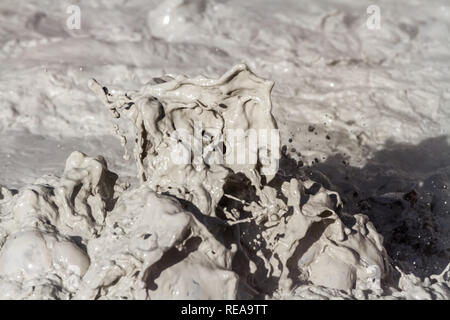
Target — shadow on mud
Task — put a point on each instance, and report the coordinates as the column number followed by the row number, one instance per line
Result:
column 405, row 191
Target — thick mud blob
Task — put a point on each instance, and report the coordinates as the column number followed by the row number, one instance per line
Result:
column 201, row 228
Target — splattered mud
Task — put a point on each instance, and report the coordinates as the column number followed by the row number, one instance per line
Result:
column 359, row 207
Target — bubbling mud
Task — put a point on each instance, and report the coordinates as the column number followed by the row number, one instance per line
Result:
column 166, row 115
column 198, row 229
